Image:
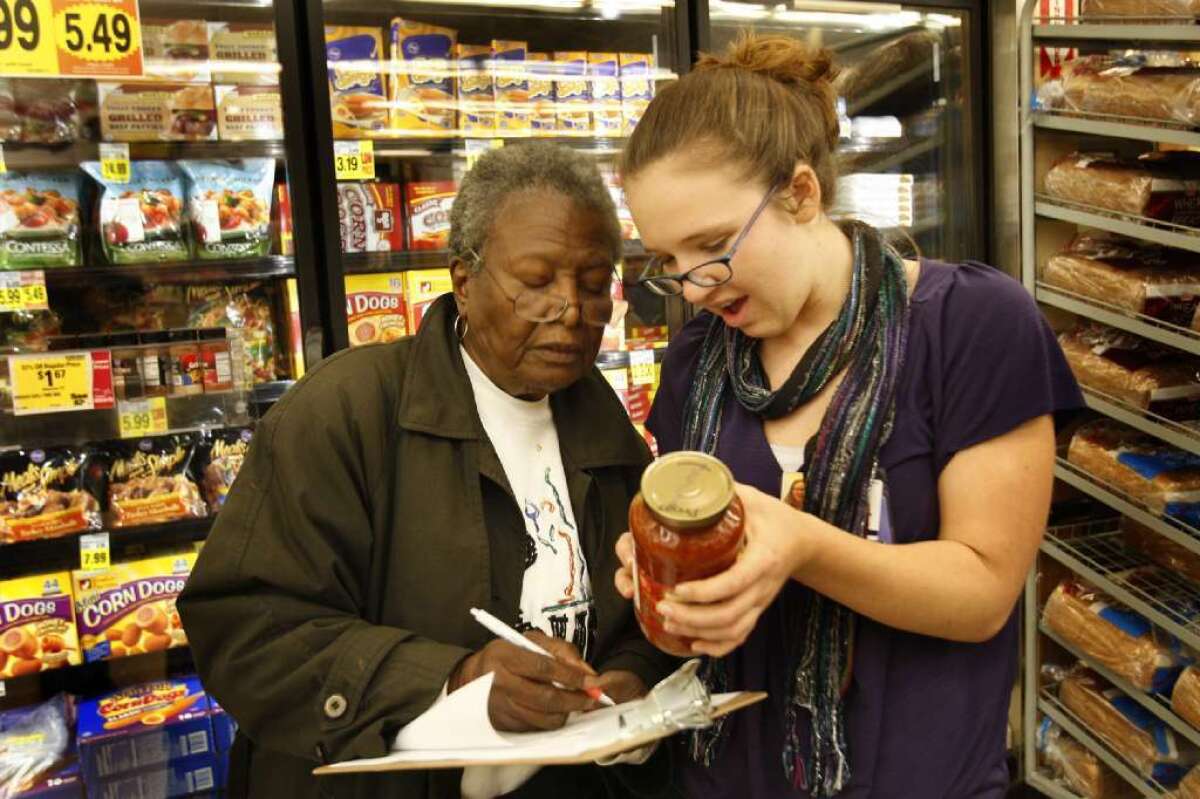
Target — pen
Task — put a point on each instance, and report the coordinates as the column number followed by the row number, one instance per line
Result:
column 502, row 630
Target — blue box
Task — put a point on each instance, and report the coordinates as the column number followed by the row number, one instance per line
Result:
column 148, row 725
column 63, row 783
column 224, row 727
column 182, row 777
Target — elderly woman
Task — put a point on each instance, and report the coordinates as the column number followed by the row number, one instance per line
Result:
column 482, row 463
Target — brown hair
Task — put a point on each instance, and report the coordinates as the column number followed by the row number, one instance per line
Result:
column 767, row 102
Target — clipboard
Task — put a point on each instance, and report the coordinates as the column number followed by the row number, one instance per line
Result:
column 680, row 702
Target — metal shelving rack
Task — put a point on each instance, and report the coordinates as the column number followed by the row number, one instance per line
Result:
column 1098, row 554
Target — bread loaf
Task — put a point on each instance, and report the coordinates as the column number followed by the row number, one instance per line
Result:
column 1079, row 768
column 1114, row 636
column 1189, row 786
column 1130, row 368
column 1162, row 550
column 1157, row 185
column 1185, row 699
column 1104, row 85
column 1141, row 738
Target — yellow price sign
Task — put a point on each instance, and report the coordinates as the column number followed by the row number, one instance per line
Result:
column 98, row 37
column 23, row 291
column 641, row 368
column 114, row 162
column 50, row 383
column 27, row 38
column 140, row 418
column 354, row 160
column 94, row 552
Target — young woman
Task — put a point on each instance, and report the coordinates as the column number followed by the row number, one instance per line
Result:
column 917, row 397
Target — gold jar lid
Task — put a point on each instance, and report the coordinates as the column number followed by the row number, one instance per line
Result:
column 687, row 489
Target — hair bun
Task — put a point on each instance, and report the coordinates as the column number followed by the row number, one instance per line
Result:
column 780, row 58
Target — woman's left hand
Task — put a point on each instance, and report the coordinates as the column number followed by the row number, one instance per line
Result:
column 721, row 612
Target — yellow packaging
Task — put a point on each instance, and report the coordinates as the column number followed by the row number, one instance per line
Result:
column 637, row 88
column 244, row 54
column 476, row 90
column 375, row 309
column 421, row 88
column 356, row 89
column 37, row 625
column 572, row 95
column 542, row 119
column 129, row 609
column 512, row 88
column 421, row 288
column 606, row 93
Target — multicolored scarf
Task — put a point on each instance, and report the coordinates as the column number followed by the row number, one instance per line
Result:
column 866, row 342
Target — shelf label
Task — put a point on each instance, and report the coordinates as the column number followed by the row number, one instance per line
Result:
column 354, row 160
column 23, row 291
column 3, row 164
column 94, row 552
column 114, row 162
column 477, row 147
column 97, row 37
column 144, row 417
column 641, row 367
column 50, row 383
column 27, row 38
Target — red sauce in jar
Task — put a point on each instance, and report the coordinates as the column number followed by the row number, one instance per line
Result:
column 687, row 524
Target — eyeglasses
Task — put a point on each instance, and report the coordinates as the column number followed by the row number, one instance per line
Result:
column 706, row 275
column 542, row 307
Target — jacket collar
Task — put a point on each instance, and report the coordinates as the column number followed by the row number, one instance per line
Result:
column 593, row 430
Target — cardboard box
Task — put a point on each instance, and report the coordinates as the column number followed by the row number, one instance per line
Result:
column 606, row 93
column 421, row 288
column 429, row 204
column 249, row 113
column 224, row 727
column 357, row 96
column 176, row 50
column 513, row 112
column 133, row 112
column 637, row 87
column 143, row 727
column 476, row 90
column 65, row 782
column 244, row 54
column 543, row 119
column 129, row 609
column 375, row 308
column 572, row 94
column 37, row 625
column 283, row 219
column 421, row 89
column 179, row 778
column 370, row 217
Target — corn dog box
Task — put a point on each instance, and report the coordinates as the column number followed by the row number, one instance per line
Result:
column 421, row 88
column 572, row 95
column 421, row 288
column 606, row 93
column 542, row 116
column 224, row 727
column 512, row 88
column 637, row 87
column 199, row 774
column 37, row 625
column 429, row 204
column 375, row 308
column 143, row 726
column 357, row 96
column 476, row 91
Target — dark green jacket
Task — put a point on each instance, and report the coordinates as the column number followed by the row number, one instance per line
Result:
column 330, row 603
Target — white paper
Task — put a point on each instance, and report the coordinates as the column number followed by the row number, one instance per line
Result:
column 458, row 720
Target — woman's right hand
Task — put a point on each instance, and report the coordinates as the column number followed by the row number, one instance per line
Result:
column 624, row 575
column 524, row 696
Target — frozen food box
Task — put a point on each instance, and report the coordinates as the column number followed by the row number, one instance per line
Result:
column 637, row 88
column 572, row 95
column 37, row 625
column 421, row 89
column 224, row 727
column 244, row 54
column 176, row 50
column 190, row 775
column 357, row 97
column 476, row 91
column 129, row 608
column 65, row 782
column 133, row 112
column 249, row 113
column 370, row 217
column 606, row 93
column 375, row 309
column 513, row 111
column 143, row 726
column 543, row 120
column 283, row 219
column 421, row 288
column 429, row 204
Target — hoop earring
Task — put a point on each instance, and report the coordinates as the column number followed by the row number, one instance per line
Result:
column 465, row 327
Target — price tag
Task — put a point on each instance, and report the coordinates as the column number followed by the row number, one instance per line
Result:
column 94, row 552
column 477, row 147
column 354, row 160
column 27, row 38
column 641, row 367
column 114, row 162
column 97, row 37
column 3, row 164
column 50, row 383
column 140, row 418
column 23, row 291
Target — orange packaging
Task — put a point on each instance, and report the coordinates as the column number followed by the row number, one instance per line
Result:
column 129, row 609
column 421, row 288
column 375, row 308
column 37, row 625
column 429, row 204
column 542, row 119
column 283, row 219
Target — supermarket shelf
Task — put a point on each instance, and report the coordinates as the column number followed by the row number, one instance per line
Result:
column 1050, row 706
column 455, row 146
column 219, row 271
column 62, row 554
column 1176, row 531
column 1173, row 433
column 1172, row 335
column 1163, row 597
column 42, row 156
column 1182, row 30
column 1113, row 127
column 1157, row 706
column 1049, row 787
column 855, row 106
column 89, row 679
column 362, row 263
column 1165, row 233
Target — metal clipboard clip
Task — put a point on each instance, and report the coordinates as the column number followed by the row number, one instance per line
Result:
column 679, row 702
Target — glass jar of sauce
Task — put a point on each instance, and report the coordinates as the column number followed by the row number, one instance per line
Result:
column 687, row 524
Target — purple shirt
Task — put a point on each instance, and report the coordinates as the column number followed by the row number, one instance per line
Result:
column 926, row 717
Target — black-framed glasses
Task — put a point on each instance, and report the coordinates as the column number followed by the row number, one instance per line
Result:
column 542, row 306
column 706, row 275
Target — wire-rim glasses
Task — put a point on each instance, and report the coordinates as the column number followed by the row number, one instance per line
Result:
column 542, row 307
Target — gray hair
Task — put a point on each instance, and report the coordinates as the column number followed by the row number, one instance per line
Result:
column 528, row 165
